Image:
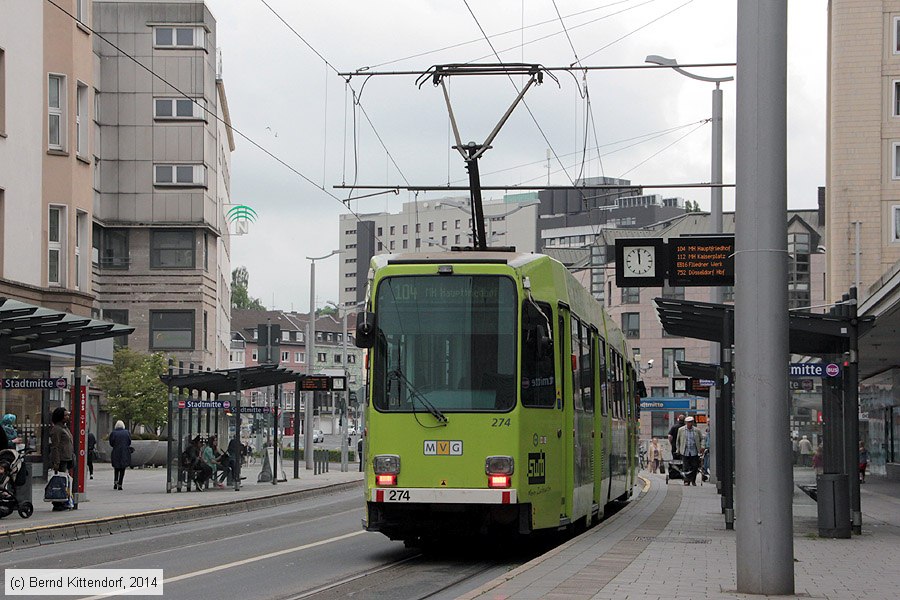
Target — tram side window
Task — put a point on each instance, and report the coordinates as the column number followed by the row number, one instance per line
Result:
column 576, row 372
column 601, row 369
column 587, row 369
column 538, row 377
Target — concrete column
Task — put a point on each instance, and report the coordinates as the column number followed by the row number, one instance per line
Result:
column 764, row 478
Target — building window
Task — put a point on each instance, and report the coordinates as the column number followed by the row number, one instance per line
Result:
column 431, row 227
column 298, row 357
column 631, row 295
column 405, row 229
column 285, row 357
column 631, row 324
column 337, row 359
column 443, row 225
column 171, row 330
column 351, row 359
column 119, row 317
column 673, row 293
column 456, row 239
column 2, row 92
column 81, row 120
column 321, row 357
column 81, row 11
column 669, row 357
column 405, row 244
column 205, row 330
column 380, row 246
column 254, row 356
column 81, row 264
column 380, row 231
column 444, row 240
column 896, row 35
column 728, row 293
column 56, row 233
column 895, row 103
column 179, row 37
column 56, row 109
column 184, row 109
column 179, row 175
column 392, row 229
column 418, row 228
column 285, row 336
column 895, row 214
column 418, row 243
column 206, row 251
column 392, row 244
column 112, row 248
column 457, row 224
column 659, row 391
column 172, row 249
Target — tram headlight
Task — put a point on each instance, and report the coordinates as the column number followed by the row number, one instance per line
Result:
column 499, row 465
column 387, row 467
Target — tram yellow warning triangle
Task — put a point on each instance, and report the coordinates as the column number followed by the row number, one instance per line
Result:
column 443, row 483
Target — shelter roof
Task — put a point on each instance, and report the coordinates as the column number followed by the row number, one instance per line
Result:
column 27, row 327
column 810, row 333
column 226, row 381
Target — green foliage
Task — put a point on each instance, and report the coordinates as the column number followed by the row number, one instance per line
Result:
column 240, row 294
column 326, row 310
column 133, row 389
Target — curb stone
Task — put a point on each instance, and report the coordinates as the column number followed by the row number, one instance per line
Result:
column 15, row 539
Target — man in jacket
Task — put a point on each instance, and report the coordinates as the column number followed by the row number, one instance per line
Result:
column 690, row 447
column 61, row 448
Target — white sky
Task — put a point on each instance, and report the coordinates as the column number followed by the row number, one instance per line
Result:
column 277, row 85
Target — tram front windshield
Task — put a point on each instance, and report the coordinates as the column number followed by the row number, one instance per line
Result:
column 448, row 341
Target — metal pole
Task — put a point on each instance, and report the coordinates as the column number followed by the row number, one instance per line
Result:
column 345, row 416
column 169, row 429
column 275, row 435
column 726, row 475
column 851, row 376
column 715, row 296
column 237, row 431
column 297, row 429
column 765, row 557
column 76, row 423
column 310, row 357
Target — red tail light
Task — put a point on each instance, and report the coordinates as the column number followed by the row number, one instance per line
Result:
column 386, row 479
column 498, row 481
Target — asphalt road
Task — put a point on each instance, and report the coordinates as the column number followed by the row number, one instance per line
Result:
column 311, row 549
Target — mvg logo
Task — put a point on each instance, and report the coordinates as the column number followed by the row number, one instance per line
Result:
column 443, row 447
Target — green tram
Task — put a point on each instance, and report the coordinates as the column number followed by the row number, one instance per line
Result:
column 502, row 397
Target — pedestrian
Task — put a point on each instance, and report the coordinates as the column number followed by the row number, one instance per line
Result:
column 863, row 461
column 690, row 446
column 210, row 460
column 673, row 435
column 61, row 450
column 9, row 428
column 795, row 449
column 120, row 440
column 91, row 452
column 359, row 451
column 654, row 455
column 806, row 451
column 818, row 459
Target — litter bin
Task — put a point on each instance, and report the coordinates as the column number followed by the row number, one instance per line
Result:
column 833, row 502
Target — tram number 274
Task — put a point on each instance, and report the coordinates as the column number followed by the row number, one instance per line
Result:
column 397, row 495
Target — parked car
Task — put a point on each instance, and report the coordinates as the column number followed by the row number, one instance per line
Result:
column 318, row 436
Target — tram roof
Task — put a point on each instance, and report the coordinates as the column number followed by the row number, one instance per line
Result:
column 810, row 333
column 501, row 256
column 226, row 380
column 26, row 327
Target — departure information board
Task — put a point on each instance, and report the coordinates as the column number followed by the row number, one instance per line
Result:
column 701, row 261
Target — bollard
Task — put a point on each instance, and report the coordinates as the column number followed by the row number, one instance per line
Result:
column 833, row 505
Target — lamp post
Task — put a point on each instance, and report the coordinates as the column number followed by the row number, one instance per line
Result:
column 310, row 358
column 715, row 211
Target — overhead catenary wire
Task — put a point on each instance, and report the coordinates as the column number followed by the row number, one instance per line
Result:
column 663, row 149
column 203, row 107
column 356, row 95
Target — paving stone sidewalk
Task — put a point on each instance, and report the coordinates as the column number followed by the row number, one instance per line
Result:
column 671, row 544
column 144, row 490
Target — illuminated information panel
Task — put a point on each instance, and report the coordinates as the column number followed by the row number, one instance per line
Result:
column 323, row 383
column 701, row 261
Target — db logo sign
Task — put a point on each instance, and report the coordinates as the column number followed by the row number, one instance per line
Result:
column 61, row 383
column 832, row 370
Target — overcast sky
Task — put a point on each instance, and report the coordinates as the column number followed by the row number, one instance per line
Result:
column 283, row 96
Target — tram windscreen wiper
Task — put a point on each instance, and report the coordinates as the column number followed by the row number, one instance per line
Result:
column 416, row 394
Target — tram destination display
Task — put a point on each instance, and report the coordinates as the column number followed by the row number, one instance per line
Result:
column 701, row 261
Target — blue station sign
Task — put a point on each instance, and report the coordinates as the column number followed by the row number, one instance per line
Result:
column 666, row 404
column 815, row 370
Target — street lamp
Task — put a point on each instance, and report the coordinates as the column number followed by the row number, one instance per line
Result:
column 310, row 358
column 715, row 211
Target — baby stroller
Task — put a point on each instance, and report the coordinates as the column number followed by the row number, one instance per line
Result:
column 674, row 469
column 13, row 482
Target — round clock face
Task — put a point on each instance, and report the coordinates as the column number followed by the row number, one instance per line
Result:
column 639, row 261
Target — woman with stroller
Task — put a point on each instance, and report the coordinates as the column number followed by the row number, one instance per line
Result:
column 120, row 440
column 61, row 449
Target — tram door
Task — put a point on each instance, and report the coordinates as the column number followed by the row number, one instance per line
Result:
column 582, row 415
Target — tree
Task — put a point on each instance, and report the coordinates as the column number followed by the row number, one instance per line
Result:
column 240, row 294
column 326, row 310
column 134, row 391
